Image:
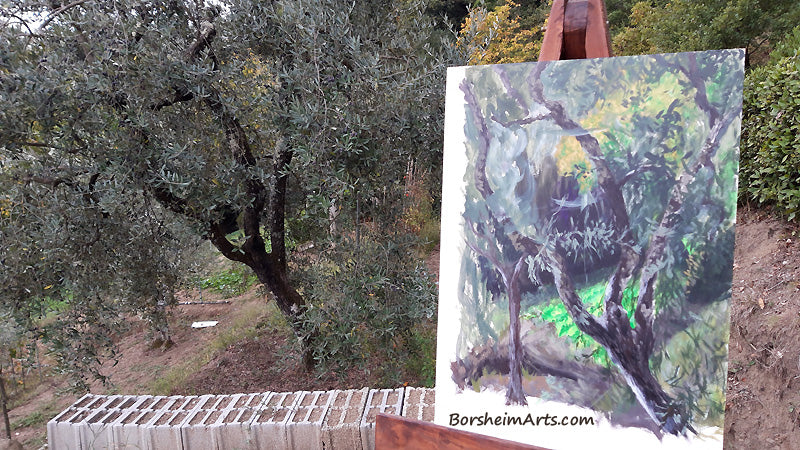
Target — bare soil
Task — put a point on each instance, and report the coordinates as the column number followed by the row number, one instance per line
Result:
column 763, row 398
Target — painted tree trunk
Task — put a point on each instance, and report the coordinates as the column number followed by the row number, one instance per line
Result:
column 662, row 408
column 630, row 352
column 515, row 394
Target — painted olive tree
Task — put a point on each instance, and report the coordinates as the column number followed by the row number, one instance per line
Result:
column 617, row 171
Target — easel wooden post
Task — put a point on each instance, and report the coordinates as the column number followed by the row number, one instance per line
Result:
column 576, row 29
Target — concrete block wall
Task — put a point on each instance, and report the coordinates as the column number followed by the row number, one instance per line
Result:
column 418, row 404
column 318, row 420
column 341, row 428
column 389, row 401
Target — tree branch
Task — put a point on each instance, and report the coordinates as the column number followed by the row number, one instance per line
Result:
column 35, row 144
column 493, row 258
column 590, row 146
column 484, row 138
column 629, row 258
column 645, row 311
column 230, row 251
column 512, row 91
column 203, row 40
column 58, row 11
column 583, row 319
column 638, row 171
column 694, row 78
column 181, row 95
column 525, row 121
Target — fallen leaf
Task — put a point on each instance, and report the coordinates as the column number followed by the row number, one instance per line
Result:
column 761, row 302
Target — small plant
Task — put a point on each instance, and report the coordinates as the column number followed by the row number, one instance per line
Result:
column 36, row 418
column 230, row 283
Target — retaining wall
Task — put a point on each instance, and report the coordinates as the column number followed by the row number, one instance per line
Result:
column 323, row 420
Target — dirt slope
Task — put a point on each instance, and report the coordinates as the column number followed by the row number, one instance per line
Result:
column 763, row 399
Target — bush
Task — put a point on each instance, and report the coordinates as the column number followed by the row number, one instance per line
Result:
column 770, row 146
column 372, row 304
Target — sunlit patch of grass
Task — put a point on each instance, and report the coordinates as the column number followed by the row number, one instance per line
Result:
column 37, row 418
column 231, row 282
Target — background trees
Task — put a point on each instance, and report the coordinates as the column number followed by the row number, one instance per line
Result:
column 502, row 32
column 683, row 25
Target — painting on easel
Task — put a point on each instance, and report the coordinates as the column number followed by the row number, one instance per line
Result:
column 587, row 249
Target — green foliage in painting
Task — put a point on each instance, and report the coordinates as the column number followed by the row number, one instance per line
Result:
column 556, row 313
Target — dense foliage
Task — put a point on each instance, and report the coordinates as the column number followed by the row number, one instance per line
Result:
column 658, row 26
column 372, row 305
column 771, row 137
column 130, row 129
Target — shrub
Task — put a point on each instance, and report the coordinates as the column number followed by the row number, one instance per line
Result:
column 372, row 304
column 770, row 146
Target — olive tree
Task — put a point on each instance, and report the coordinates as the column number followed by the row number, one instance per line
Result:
column 124, row 118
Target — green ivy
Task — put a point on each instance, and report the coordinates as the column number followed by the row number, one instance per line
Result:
column 229, row 283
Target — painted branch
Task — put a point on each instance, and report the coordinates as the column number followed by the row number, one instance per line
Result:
column 493, row 257
column 590, row 146
column 645, row 310
column 494, row 358
column 515, row 394
column 583, row 319
column 612, row 190
column 510, row 89
column 481, row 182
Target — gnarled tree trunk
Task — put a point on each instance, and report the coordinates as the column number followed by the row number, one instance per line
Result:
column 4, row 405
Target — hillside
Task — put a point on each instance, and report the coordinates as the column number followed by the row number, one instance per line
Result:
column 250, row 350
